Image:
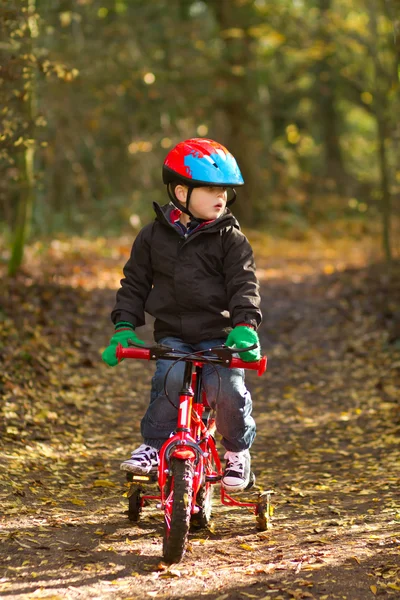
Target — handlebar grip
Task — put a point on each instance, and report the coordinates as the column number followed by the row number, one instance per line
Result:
column 258, row 365
column 121, row 352
column 262, row 365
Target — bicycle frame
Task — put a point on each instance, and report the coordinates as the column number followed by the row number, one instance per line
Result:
column 192, row 440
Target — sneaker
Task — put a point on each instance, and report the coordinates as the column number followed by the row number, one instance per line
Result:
column 143, row 460
column 237, row 471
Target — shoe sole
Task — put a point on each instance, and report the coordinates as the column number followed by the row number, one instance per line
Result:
column 236, row 488
column 137, row 470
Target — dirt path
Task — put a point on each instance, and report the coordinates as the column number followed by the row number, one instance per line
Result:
column 327, row 444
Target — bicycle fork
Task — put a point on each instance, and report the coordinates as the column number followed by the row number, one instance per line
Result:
column 182, row 445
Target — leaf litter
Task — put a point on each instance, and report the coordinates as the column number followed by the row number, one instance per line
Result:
column 328, row 440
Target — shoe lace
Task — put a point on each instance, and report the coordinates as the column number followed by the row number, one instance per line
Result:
column 142, row 452
column 234, row 461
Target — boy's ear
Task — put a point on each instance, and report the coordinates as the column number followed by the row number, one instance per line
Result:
column 181, row 193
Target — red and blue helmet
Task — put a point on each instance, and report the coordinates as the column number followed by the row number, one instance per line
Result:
column 201, row 162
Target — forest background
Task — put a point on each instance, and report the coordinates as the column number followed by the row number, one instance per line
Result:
column 94, row 93
column 305, row 94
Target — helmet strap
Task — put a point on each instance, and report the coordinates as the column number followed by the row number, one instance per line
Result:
column 232, row 200
column 185, row 209
column 178, row 204
column 189, row 194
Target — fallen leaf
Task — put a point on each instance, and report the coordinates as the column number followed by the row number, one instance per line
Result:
column 104, row 483
column 246, row 547
column 170, row 573
column 77, row 502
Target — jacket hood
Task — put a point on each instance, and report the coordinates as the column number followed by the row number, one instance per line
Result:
column 227, row 219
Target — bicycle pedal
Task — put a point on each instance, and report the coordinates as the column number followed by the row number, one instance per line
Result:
column 136, row 478
column 213, row 478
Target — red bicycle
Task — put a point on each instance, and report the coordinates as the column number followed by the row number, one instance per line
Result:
column 189, row 462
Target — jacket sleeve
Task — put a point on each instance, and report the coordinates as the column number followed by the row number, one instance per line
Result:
column 137, row 282
column 240, row 279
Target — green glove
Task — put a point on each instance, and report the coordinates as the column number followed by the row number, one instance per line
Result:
column 243, row 337
column 123, row 333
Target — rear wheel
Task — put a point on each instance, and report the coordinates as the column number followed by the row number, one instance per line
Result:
column 252, row 480
column 177, row 510
column 204, row 502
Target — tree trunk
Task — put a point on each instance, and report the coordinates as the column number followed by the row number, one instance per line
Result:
column 383, row 82
column 334, row 169
column 24, row 211
column 386, row 200
column 27, row 164
column 237, row 122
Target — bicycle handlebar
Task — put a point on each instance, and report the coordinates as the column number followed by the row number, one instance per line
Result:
column 222, row 355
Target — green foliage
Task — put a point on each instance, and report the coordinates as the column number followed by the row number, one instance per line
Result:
column 305, row 95
column 23, row 61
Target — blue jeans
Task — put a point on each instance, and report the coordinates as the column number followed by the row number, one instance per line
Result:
column 233, row 407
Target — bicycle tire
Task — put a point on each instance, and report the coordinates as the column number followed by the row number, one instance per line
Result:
column 135, row 504
column 178, row 510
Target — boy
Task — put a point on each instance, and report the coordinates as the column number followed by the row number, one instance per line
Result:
column 193, row 270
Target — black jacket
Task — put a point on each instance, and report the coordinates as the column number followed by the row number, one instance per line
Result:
column 197, row 287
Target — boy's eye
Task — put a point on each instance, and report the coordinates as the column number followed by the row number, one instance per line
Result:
column 217, row 188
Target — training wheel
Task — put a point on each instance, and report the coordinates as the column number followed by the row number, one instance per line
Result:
column 252, row 480
column 134, row 503
column 264, row 511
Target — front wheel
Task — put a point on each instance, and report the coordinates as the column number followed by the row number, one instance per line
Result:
column 178, row 508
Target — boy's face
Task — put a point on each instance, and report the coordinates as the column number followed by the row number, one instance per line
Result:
column 207, row 203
